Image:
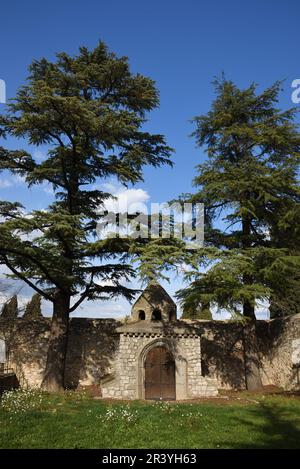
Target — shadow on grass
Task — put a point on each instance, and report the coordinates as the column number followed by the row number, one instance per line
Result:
column 271, row 426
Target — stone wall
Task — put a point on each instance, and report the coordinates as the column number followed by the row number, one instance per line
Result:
column 280, row 352
column 223, row 346
column 94, row 344
column 26, row 346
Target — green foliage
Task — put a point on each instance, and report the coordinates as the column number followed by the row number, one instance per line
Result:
column 22, row 401
column 89, row 111
column 205, row 314
column 10, row 308
column 239, row 421
column 200, row 312
column 249, row 186
column 33, row 308
column 157, row 257
column 122, row 415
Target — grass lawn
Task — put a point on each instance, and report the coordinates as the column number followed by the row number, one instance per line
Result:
column 73, row 421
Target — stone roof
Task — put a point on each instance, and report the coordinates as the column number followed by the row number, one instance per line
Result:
column 154, row 294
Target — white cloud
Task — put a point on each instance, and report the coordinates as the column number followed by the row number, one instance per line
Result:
column 13, row 180
column 39, row 155
column 184, row 268
column 131, row 200
column 220, row 314
column 18, row 179
column 109, row 187
column 103, row 309
column 3, row 271
column 5, row 183
column 118, row 308
column 10, row 287
column 122, row 201
column 48, row 189
column 262, row 310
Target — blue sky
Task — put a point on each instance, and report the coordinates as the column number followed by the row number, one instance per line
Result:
column 182, row 45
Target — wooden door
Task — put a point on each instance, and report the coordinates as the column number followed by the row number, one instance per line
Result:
column 160, row 374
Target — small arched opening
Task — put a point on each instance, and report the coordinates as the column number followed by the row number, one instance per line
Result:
column 172, row 316
column 142, row 315
column 156, row 315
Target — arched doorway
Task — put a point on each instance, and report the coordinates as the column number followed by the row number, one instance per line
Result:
column 160, row 374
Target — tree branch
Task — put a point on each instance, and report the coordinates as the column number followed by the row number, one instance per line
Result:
column 26, row 280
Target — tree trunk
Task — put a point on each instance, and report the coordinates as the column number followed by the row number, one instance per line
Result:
column 275, row 311
column 251, row 358
column 55, row 367
column 251, row 351
column 248, row 308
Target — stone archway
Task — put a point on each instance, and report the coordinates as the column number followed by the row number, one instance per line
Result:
column 180, row 380
column 159, row 374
